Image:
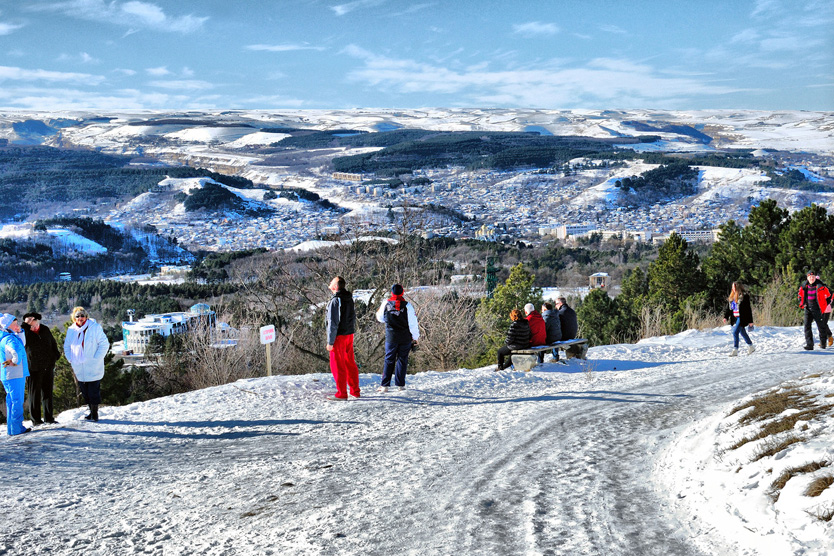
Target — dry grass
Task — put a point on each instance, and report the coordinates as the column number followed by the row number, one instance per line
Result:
column 774, row 403
column 823, row 514
column 785, row 424
column 819, row 485
column 791, row 472
column 772, row 446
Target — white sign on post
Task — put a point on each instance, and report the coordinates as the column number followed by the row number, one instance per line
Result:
column 267, row 337
column 267, row 334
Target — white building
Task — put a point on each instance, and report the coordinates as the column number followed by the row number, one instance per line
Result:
column 566, row 230
column 137, row 334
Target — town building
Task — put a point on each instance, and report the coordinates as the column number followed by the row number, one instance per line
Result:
column 137, row 334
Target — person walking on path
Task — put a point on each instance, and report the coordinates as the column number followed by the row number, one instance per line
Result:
column 340, row 320
column 42, row 352
column 401, row 333
column 518, row 337
column 740, row 314
column 14, row 371
column 814, row 297
column 85, row 347
column 553, row 329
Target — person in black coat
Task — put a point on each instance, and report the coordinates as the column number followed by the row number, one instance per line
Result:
column 518, row 337
column 42, row 352
column 740, row 314
column 570, row 325
column 553, row 326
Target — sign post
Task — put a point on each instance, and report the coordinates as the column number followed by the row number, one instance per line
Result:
column 267, row 337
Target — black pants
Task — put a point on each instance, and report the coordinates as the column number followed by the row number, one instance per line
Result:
column 91, row 391
column 502, row 353
column 813, row 314
column 40, row 394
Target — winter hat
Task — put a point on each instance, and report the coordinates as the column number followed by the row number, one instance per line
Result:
column 6, row 320
column 397, row 289
column 34, row 315
column 811, row 272
column 529, row 308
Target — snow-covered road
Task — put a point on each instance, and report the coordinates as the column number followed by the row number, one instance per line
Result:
column 561, row 460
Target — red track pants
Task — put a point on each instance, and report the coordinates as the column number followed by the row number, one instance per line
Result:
column 343, row 366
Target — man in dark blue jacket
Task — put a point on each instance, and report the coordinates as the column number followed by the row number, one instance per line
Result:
column 401, row 334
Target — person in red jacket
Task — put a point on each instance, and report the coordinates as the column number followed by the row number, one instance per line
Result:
column 814, row 297
column 538, row 331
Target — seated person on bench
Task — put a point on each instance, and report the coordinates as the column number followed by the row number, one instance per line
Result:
column 569, row 324
column 553, row 329
column 518, row 337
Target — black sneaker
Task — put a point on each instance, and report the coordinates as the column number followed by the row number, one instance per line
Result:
column 809, row 348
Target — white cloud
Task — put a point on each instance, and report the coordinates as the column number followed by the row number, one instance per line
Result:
column 21, row 74
column 159, row 72
column 535, row 28
column 603, row 81
column 613, row 29
column 183, row 84
column 8, row 28
column 125, row 71
column 766, row 7
column 342, row 9
column 32, row 98
column 282, row 47
column 80, row 58
column 133, row 14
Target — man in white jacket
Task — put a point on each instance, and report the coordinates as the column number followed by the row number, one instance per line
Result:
column 85, row 347
column 401, row 335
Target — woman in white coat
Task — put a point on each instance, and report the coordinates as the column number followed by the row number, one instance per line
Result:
column 85, row 347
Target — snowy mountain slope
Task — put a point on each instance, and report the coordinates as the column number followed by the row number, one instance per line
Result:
column 561, row 460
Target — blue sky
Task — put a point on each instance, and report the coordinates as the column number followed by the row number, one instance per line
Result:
column 559, row 54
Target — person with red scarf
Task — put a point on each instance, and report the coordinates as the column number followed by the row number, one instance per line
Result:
column 401, row 334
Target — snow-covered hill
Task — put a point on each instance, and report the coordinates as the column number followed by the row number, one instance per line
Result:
column 622, row 455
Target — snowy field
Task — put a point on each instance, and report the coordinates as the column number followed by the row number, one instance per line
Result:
column 624, row 454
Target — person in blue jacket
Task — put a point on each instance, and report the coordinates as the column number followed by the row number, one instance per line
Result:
column 15, row 369
column 401, row 335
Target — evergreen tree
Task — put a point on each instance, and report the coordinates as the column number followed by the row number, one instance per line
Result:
column 675, row 275
column 599, row 316
column 807, row 243
column 494, row 313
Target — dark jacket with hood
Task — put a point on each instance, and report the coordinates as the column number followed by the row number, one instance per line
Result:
column 552, row 325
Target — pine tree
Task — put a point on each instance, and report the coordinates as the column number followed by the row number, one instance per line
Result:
column 675, row 275
column 493, row 315
column 807, row 243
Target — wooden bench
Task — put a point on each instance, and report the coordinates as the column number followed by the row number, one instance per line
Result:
column 563, row 345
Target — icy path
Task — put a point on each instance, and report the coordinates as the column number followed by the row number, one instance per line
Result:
column 556, row 461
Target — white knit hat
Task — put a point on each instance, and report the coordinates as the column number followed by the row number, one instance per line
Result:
column 6, row 320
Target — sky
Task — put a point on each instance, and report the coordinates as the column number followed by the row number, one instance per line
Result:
column 320, row 54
